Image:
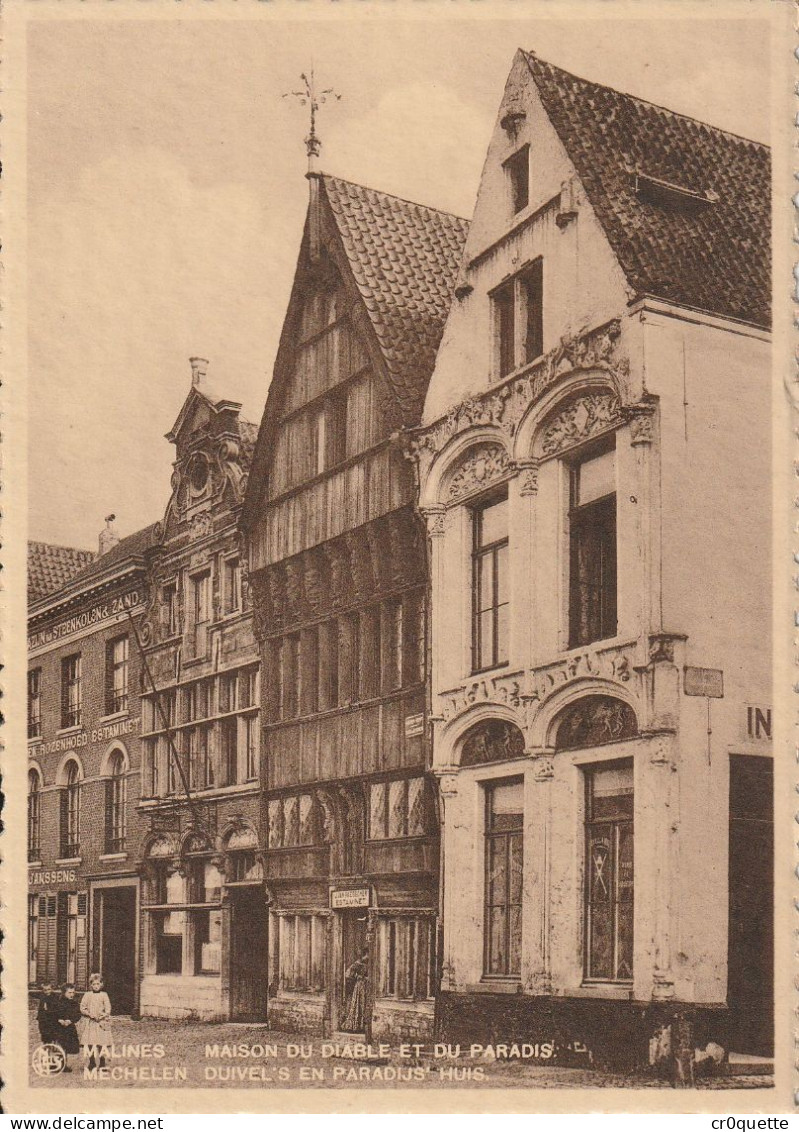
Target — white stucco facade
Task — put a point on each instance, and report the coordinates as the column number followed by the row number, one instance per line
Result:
column 681, row 398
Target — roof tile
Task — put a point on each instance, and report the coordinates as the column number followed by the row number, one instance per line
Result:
column 713, row 255
column 51, row 566
column 405, row 259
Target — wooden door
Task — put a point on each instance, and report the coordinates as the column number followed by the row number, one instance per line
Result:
column 750, row 967
column 118, row 946
column 248, row 956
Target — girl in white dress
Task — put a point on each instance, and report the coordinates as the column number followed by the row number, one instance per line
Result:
column 95, row 1008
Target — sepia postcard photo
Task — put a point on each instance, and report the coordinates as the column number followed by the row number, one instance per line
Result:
column 394, row 455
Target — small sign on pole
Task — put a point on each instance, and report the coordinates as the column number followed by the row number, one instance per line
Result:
column 707, row 682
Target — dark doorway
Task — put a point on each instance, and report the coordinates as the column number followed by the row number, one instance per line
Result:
column 248, row 955
column 355, row 973
column 750, row 980
column 117, row 945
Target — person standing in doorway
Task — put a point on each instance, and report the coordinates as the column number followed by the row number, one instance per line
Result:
column 95, row 1007
column 355, row 981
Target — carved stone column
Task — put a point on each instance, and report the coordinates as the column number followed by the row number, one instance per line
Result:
column 435, row 517
column 536, row 971
column 641, row 421
column 448, row 787
column 657, row 809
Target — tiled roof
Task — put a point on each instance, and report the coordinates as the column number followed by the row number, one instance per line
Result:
column 50, row 567
column 132, row 546
column 405, row 259
column 713, row 254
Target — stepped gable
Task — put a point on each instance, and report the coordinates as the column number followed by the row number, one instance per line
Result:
column 50, row 567
column 712, row 251
column 405, row 259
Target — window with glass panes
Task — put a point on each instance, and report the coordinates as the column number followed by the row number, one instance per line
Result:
column 406, row 957
column 301, row 952
column 592, row 540
column 609, row 872
column 232, row 585
column 116, row 675
column 115, row 806
column 504, row 834
column 490, row 584
column 397, row 809
column 71, row 691
column 70, row 811
column 294, row 820
column 34, row 703
column 201, row 610
column 34, row 815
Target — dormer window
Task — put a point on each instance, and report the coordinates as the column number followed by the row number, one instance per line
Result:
column 517, row 169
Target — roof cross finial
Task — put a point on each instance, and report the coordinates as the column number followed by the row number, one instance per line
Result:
column 313, row 98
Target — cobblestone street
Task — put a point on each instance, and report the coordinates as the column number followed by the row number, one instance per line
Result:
column 153, row 1053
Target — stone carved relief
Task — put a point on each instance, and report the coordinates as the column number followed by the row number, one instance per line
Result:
column 529, row 478
column 200, row 524
column 505, row 406
column 641, row 419
column 480, row 467
column 594, row 720
column 435, row 517
column 543, row 769
column 579, row 420
column 492, row 740
column 525, row 691
column 314, row 582
column 339, row 566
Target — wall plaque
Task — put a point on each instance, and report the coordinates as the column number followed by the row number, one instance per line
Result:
column 707, row 682
column 350, row 897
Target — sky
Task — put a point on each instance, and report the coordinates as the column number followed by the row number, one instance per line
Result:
column 166, row 196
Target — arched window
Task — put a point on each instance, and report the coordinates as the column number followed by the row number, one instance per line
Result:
column 115, row 798
column 34, row 815
column 70, row 810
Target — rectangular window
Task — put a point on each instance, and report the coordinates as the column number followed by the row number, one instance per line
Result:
column 201, row 611
column 504, row 301
column 205, row 760
column 230, row 751
column 170, row 620
column 301, row 953
column 290, row 676
column 152, row 779
column 406, row 958
column 207, row 925
column 251, row 747
column 397, row 809
column 392, row 645
column 168, row 931
column 248, row 687
column 328, row 665
column 318, row 446
column 34, row 703
column 532, row 294
column 490, row 584
column 609, row 873
column 71, row 691
column 592, row 539
column 116, row 675
column 517, row 169
column 348, row 659
column 228, row 692
column 232, row 585
column 33, row 939
column 503, row 882
column 336, row 428
column 370, row 656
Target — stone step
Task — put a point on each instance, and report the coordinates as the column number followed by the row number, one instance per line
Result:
column 749, row 1065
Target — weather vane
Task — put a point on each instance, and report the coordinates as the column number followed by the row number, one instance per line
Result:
column 313, row 98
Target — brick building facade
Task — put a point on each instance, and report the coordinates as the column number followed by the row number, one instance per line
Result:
column 83, row 766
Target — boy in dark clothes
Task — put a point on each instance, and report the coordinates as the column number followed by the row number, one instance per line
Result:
column 46, row 1014
column 67, row 1014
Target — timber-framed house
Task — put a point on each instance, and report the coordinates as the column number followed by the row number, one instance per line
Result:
column 337, row 568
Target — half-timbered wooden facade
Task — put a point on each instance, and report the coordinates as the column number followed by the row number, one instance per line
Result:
column 337, row 565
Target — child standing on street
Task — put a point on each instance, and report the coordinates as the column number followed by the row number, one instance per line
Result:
column 95, row 1006
column 67, row 1014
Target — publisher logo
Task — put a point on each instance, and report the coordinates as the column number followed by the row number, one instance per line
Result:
column 48, row 1060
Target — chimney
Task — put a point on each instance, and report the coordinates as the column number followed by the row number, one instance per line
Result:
column 199, row 369
column 108, row 536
